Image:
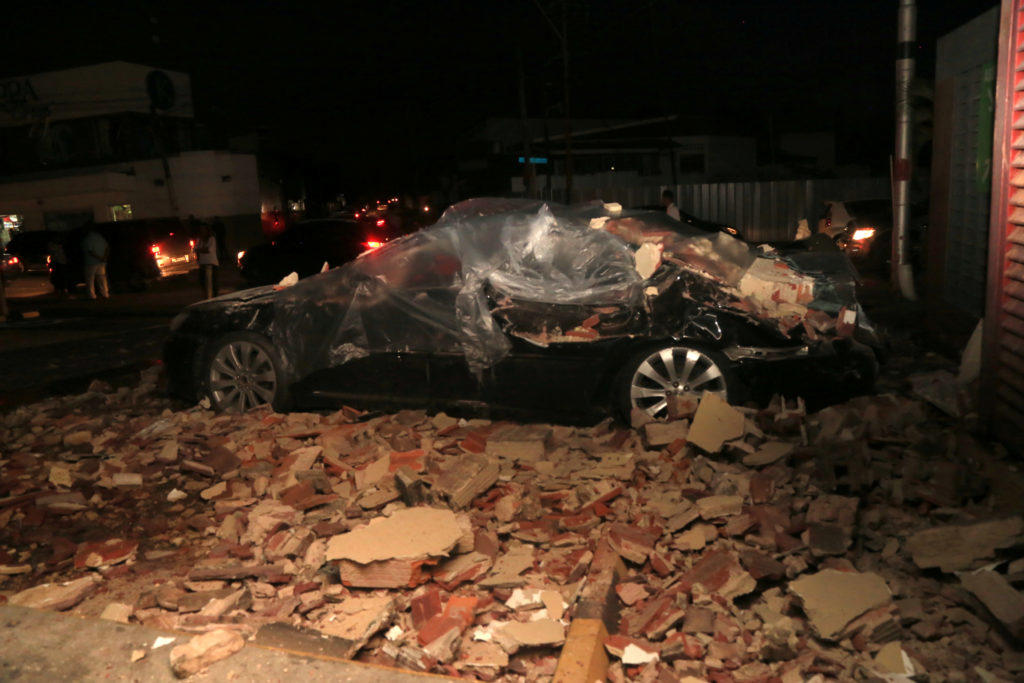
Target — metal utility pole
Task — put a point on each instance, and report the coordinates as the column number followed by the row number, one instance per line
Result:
column 565, row 103
column 530, row 172
column 902, row 270
column 563, row 38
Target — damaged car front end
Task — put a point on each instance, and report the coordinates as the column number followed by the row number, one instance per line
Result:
column 520, row 305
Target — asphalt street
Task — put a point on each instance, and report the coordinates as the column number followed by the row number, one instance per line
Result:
column 75, row 340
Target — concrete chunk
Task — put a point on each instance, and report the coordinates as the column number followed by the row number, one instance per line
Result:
column 715, row 423
column 832, row 598
column 955, row 548
column 1004, row 602
column 56, row 596
column 412, row 533
column 204, row 650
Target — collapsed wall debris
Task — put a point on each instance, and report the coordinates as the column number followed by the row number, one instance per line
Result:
column 859, row 542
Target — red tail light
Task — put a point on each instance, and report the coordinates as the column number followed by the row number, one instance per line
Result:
column 381, row 222
column 14, row 259
column 371, row 245
column 191, row 244
column 155, row 248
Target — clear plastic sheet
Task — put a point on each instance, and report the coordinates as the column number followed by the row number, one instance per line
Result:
column 492, row 269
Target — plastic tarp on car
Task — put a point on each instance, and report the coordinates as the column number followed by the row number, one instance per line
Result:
column 495, row 268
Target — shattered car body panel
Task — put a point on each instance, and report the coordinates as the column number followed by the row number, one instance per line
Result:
column 497, row 277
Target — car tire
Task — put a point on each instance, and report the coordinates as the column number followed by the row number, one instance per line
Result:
column 651, row 375
column 242, row 371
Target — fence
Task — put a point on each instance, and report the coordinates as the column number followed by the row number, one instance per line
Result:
column 762, row 210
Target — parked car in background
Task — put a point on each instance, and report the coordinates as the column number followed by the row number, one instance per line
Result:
column 11, row 264
column 523, row 306
column 30, row 246
column 172, row 244
column 305, row 246
column 863, row 229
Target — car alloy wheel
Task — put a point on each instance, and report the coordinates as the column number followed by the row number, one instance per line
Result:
column 674, row 371
column 242, row 376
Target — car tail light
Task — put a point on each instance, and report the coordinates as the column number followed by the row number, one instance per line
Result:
column 372, row 244
column 861, row 234
column 191, row 244
column 381, row 222
column 14, row 260
column 155, row 248
column 239, row 256
column 356, row 215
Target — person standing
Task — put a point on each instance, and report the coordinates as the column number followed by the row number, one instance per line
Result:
column 95, row 252
column 58, row 265
column 668, row 200
column 220, row 234
column 206, row 255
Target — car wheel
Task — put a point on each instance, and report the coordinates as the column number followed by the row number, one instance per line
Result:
column 655, row 375
column 243, row 371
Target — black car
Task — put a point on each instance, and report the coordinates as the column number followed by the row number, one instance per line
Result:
column 305, row 246
column 523, row 306
column 863, row 229
column 11, row 265
column 32, row 248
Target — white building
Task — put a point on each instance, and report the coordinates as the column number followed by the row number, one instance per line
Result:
column 114, row 141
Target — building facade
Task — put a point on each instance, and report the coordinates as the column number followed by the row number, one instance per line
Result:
column 114, row 141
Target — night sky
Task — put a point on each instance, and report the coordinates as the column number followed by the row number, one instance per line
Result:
column 381, row 90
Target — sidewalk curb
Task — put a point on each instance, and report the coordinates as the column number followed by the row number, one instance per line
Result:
column 300, row 649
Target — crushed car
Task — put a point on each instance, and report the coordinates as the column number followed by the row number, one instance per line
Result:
column 525, row 306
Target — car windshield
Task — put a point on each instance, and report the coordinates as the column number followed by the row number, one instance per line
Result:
column 456, row 287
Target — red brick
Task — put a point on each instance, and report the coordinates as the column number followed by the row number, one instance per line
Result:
column 762, row 566
column 436, row 627
column 474, row 442
column 661, row 564
column 425, row 606
column 463, row 608
column 762, row 486
column 413, row 458
column 102, row 553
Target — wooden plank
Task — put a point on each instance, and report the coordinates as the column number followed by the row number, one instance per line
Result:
column 583, row 658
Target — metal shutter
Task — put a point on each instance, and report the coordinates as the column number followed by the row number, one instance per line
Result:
column 1003, row 373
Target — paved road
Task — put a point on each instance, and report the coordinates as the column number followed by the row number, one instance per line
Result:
column 75, row 340
column 29, row 285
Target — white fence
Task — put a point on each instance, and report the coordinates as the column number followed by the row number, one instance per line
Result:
column 762, row 210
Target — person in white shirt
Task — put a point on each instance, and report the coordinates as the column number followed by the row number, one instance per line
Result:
column 95, row 252
column 668, row 200
column 206, row 256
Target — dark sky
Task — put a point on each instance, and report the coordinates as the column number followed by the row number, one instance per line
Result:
column 383, row 87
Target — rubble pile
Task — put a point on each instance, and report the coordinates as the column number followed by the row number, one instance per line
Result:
column 869, row 541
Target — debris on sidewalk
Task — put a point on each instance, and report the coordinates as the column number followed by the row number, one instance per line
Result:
column 869, row 539
column 204, row 650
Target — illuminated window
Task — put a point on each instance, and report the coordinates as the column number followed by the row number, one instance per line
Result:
column 12, row 221
column 9, row 224
column 121, row 212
